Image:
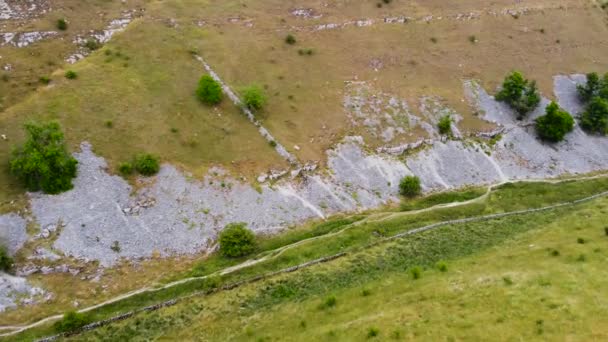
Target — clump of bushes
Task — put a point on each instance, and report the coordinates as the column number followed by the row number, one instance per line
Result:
column 209, row 91
column 519, row 93
column 410, row 186
column 71, row 321
column 253, row 97
column 62, row 24
column 71, row 74
column 555, row 124
column 43, row 162
column 146, row 164
column 236, row 240
column 445, row 125
column 290, row 39
column 6, row 262
column 594, row 93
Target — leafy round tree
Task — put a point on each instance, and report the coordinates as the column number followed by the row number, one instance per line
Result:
column 591, row 88
column 146, row 164
column 519, row 93
column 410, row 186
column 209, row 91
column 236, row 240
column 595, row 118
column 253, row 97
column 43, row 162
column 554, row 125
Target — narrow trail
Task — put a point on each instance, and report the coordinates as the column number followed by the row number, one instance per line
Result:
column 376, row 217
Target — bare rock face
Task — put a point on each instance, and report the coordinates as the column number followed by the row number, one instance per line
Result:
column 17, row 290
column 102, row 221
column 12, row 232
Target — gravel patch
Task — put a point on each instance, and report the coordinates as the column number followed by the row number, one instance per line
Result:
column 12, row 232
column 15, row 291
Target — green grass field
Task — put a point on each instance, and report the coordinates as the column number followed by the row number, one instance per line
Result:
column 371, row 263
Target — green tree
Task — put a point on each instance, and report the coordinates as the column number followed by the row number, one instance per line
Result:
column 6, row 262
column 410, row 186
column 445, row 124
column 591, row 88
column 236, row 240
column 43, row 162
column 519, row 93
column 209, row 91
column 555, row 124
column 595, row 118
column 253, row 97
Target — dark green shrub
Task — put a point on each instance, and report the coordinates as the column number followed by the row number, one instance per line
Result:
column 580, row 241
column 590, row 89
column 473, row 39
column 555, row 252
column 92, row 44
column 273, row 143
column 62, row 25
column 555, row 124
column 43, row 162
column 253, row 97
column 209, row 91
column 366, row 292
column 606, row 231
column 416, row 272
column 442, row 266
column 595, row 118
column 6, row 262
column 236, row 241
column 507, row 280
column 410, row 186
column 519, row 93
column 146, row 164
column 445, row 124
column 125, row 169
column 44, row 80
column 72, row 321
column 373, row 332
column 70, row 74
column 290, row 39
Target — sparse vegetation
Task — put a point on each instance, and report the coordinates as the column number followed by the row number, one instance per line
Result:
column 236, row 241
column 209, row 91
column 43, row 162
column 253, row 97
column 519, row 93
column 555, row 124
column 71, row 321
column 410, row 186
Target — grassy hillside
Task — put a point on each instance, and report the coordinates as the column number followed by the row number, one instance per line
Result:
column 538, row 276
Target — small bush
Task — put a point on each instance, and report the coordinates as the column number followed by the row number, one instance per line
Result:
column 580, row 241
column 595, row 118
column 272, row 143
column 71, row 321
column 555, row 124
column 329, row 302
column 445, row 125
column 62, row 25
column 6, row 262
column 290, row 39
column 109, row 123
column 606, row 231
column 43, row 162
column 125, row 169
column 236, row 241
column 366, row 292
column 373, row 332
column 473, row 39
column 253, row 97
column 519, row 93
column 146, row 164
column 410, row 186
column 555, row 252
column 92, row 44
column 70, row 75
column 416, row 272
column 115, row 247
column 44, row 80
column 442, row 266
column 209, row 91
column 594, row 87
